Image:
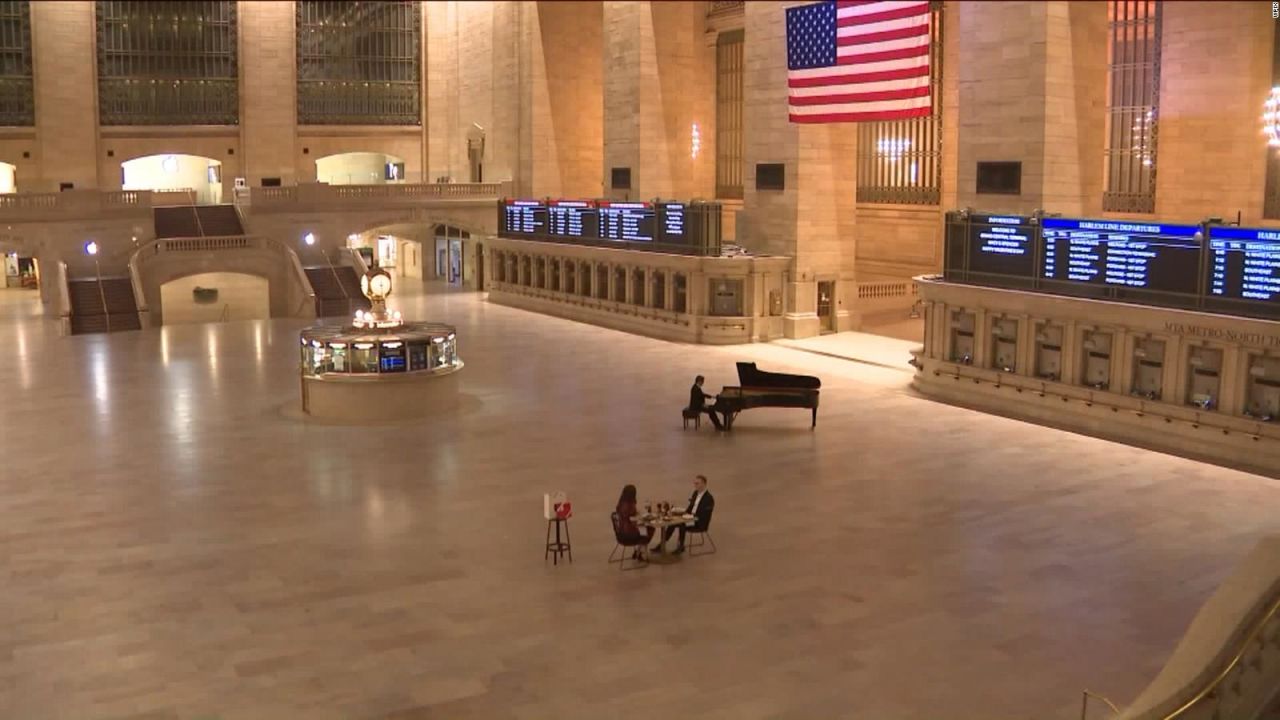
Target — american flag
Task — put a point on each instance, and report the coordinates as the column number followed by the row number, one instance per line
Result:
column 850, row 61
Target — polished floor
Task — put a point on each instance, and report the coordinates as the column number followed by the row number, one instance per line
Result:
column 177, row 542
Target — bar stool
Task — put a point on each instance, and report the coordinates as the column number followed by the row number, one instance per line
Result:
column 556, row 548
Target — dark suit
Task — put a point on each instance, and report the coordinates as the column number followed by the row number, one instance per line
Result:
column 702, row 517
column 698, row 402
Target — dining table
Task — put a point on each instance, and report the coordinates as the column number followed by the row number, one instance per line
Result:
column 660, row 521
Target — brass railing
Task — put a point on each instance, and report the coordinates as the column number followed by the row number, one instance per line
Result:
column 1213, row 684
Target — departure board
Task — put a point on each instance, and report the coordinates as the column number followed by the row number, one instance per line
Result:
column 671, row 221
column 1133, row 255
column 572, row 218
column 1244, row 264
column 1002, row 245
column 626, row 221
column 524, row 217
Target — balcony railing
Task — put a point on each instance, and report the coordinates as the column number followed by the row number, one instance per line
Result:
column 72, row 204
column 323, row 196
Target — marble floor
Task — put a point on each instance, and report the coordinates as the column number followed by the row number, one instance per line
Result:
column 177, row 542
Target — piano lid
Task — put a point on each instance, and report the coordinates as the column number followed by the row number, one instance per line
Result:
column 749, row 376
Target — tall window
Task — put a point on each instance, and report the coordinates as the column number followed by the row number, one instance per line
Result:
column 1133, row 95
column 900, row 161
column 167, row 63
column 359, row 62
column 17, row 96
column 729, row 114
column 1271, row 197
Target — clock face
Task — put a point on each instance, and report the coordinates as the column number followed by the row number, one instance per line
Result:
column 380, row 285
column 364, row 284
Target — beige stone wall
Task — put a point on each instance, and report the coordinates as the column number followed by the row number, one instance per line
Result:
column 562, row 140
column 268, row 91
column 64, row 67
column 1215, row 75
column 659, row 79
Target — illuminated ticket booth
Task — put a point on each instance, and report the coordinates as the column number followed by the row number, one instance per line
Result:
column 379, row 367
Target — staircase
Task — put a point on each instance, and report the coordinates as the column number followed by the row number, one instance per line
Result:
column 219, row 220
column 102, row 306
column 189, row 221
column 176, row 222
column 337, row 291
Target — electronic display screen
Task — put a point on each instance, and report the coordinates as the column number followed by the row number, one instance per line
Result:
column 1002, row 245
column 524, row 217
column 1122, row 254
column 672, row 219
column 573, row 218
column 626, row 221
column 1244, row 264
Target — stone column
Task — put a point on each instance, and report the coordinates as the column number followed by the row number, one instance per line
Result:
column 813, row 219
column 1032, row 79
column 268, row 92
column 66, row 96
column 659, row 80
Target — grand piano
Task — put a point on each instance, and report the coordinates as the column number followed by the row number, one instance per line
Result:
column 767, row 389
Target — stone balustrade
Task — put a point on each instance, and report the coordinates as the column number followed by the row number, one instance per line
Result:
column 352, row 197
column 712, row 300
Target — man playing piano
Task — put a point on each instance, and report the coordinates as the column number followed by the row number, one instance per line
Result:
column 698, row 402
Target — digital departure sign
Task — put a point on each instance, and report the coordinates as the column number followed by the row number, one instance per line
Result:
column 626, row 221
column 657, row 226
column 524, row 217
column 573, row 218
column 1121, row 254
column 1243, row 264
column 1002, row 245
column 672, row 223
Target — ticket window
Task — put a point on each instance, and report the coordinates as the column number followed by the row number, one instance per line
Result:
column 1004, row 344
column 1262, row 396
column 364, row 358
column 1204, row 377
column 1148, row 368
column 1095, row 359
column 962, row 325
column 1048, row 355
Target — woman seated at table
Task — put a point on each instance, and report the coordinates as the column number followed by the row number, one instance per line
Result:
column 628, row 531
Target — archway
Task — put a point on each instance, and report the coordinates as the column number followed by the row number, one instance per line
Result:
column 8, row 178
column 215, row 297
column 360, row 168
column 201, row 176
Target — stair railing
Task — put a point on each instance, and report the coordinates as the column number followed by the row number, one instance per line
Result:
column 1084, row 705
column 64, row 298
column 1216, row 680
column 338, row 279
column 106, row 311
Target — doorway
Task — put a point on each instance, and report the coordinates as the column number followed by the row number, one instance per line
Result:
column 826, row 309
column 479, row 267
column 193, row 179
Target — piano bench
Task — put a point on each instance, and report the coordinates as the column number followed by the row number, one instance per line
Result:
column 688, row 414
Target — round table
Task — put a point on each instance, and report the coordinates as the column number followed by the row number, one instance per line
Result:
column 660, row 523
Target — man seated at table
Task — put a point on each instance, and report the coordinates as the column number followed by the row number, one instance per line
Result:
column 701, row 503
column 698, row 402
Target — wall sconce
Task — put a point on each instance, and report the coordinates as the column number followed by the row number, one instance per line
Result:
column 695, row 141
column 1271, row 118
